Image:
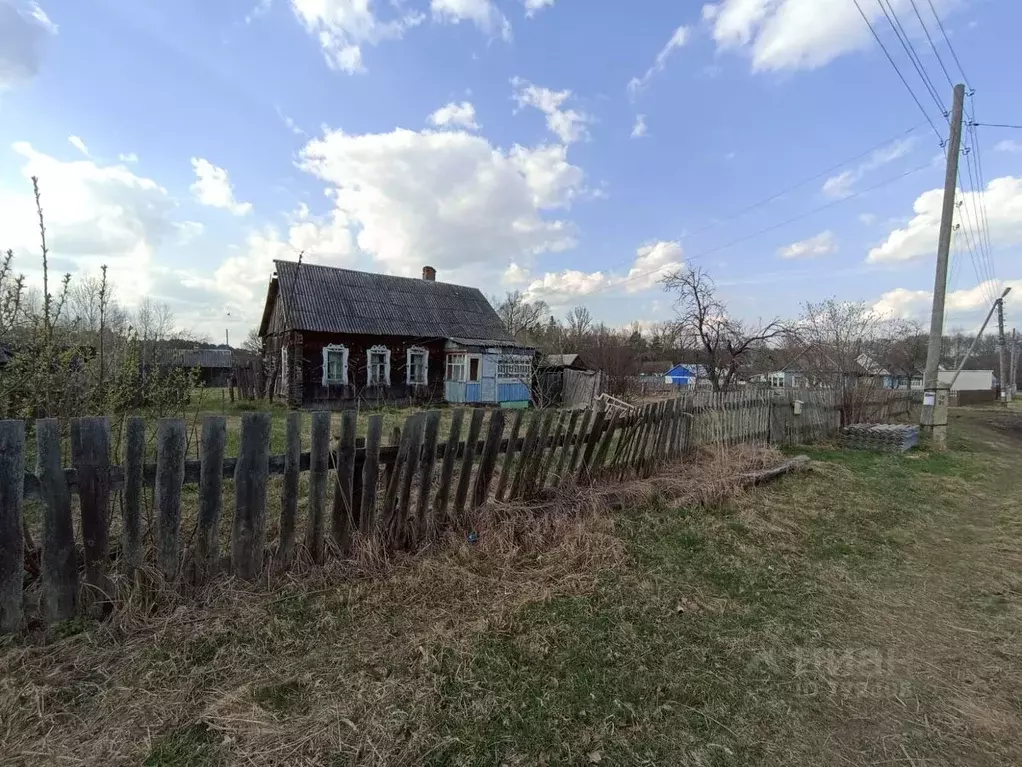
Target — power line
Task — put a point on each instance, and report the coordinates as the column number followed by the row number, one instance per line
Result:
column 996, row 125
column 930, row 41
column 947, row 40
column 908, row 87
column 913, row 56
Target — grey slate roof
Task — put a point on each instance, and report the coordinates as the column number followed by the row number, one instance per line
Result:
column 325, row 299
column 201, row 358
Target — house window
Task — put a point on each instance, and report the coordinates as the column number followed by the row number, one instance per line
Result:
column 379, row 366
column 515, row 369
column 457, row 365
column 777, row 380
column 417, row 366
column 335, row 364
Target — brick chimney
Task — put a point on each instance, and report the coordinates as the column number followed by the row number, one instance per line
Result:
column 429, row 273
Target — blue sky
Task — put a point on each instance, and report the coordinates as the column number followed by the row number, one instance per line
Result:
column 573, row 150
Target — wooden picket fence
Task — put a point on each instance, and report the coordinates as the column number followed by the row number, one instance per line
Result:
column 400, row 495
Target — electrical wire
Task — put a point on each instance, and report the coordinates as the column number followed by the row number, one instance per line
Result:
column 947, row 40
column 910, row 51
column 890, row 58
column 933, row 47
column 997, row 125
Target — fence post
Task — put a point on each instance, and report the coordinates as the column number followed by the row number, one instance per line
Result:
column 475, row 426
column 517, row 484
column 90, row 456
column 488, row 461
column 12, row 540
column 343, row 512
column 405, row 513
column 509, row 456
column 594, row 437
column 131, row 497
column 429, row 441
column 318, row 468
column 289, row 488
column 211, row 483
column 580, row 439
column 248, row 537
column 59, row 560
column 170, row 474
column 371, row 475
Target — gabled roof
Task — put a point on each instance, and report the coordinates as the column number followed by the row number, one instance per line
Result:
column 324, row 299
column 699, row 371
column 564, row 361
column 201, row 358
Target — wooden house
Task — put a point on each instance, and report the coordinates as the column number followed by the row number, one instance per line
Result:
column 337, row 336
column 214, row 364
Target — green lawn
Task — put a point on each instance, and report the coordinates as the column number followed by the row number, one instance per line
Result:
column 864, row 613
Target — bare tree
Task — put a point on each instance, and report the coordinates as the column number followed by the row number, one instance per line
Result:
column 580, row 322
column 724, row 342
column 253, row 342
column 523, row 319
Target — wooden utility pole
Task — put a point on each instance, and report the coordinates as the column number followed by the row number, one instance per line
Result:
column 1014, row 364
column 1003, row 378
column 934, row 415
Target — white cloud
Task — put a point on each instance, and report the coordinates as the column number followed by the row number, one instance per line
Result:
column 515, row 274
column 447, row 198
column 130, row 157
column 453, row 115
column 918, row 238
column 867, row 219
column 342, row 27
column 916, row 304
column 840, row 186
column 678, row 39
column 532, row 6
column 568, row 125
column 24, row 29
column 651, row 262
column 483, row 13
column 820, row 245
column 639, row 129
column 260, row 9
column 800, row 34
column 95, row 214
column 212, row 187
column 78, row 144
column 1008, row 145
column 710, row 12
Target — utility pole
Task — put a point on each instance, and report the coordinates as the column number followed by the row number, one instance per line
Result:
column 1000, row 351
column 934, row 415
column 1014, row 364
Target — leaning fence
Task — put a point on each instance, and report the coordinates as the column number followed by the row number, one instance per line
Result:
column 398, row 495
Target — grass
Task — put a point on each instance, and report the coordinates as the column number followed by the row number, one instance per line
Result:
column 864, row 613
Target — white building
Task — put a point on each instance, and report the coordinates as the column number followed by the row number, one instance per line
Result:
column 968, row 380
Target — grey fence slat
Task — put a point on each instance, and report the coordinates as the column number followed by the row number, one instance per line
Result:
column 343, row 507
column 531, row 434
column 12, row 540
column 371, row 474
column 90, row 456
column 623, row 442
column 628, row 459
column 289, row 488
column 131, row 498
column 475, row 426
column 532, row 475
column 509, row 456
column 604, row 447
column 551, row 454
column 319, row 468
column 248, row 538
column 414, row 426
column 649, row 421
column 211, row 488
column 428, row 463
column 656, row 444
column 447, row 469
column 390, row 464
column 565, row 449
column 171, row 438
column 581, row 439
column 488, row 460
column 59, row 560
column 595, row 433
column 391, row 513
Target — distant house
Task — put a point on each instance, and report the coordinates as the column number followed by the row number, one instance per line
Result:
column 685, row 376
column 566, row 380
column 214, row 364
column 563, row 361
column 335, row 336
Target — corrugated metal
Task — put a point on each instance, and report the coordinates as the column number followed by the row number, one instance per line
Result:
column 513, row 392
column 473, row 392
column 328, row 300
column 202, row 358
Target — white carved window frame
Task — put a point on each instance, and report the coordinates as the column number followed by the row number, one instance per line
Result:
column 327, row 351
column 417, row 350
column 378, row 349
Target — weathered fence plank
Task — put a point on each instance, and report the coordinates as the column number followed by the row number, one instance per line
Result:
column 131, row 498
column 581, row 440
column 12, row 540
column 289, row 488
column 90, row 456
column 390, row 463
column 344, row 520
column 447, row 469
column 59, row 560
column 554, row 442
column 518, row 486
column 371, row 475
column 604, row 447
column 414, row 426
column 594, row 437
column 562, row 459
column 248, row 538
column 509, row 456
column 211, row 484
column 475, row 426
column 488, row 460
column 171, row 438
column 319, row 467
column 429, row 447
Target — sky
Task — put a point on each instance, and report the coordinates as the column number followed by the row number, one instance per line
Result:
column 575, row 150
